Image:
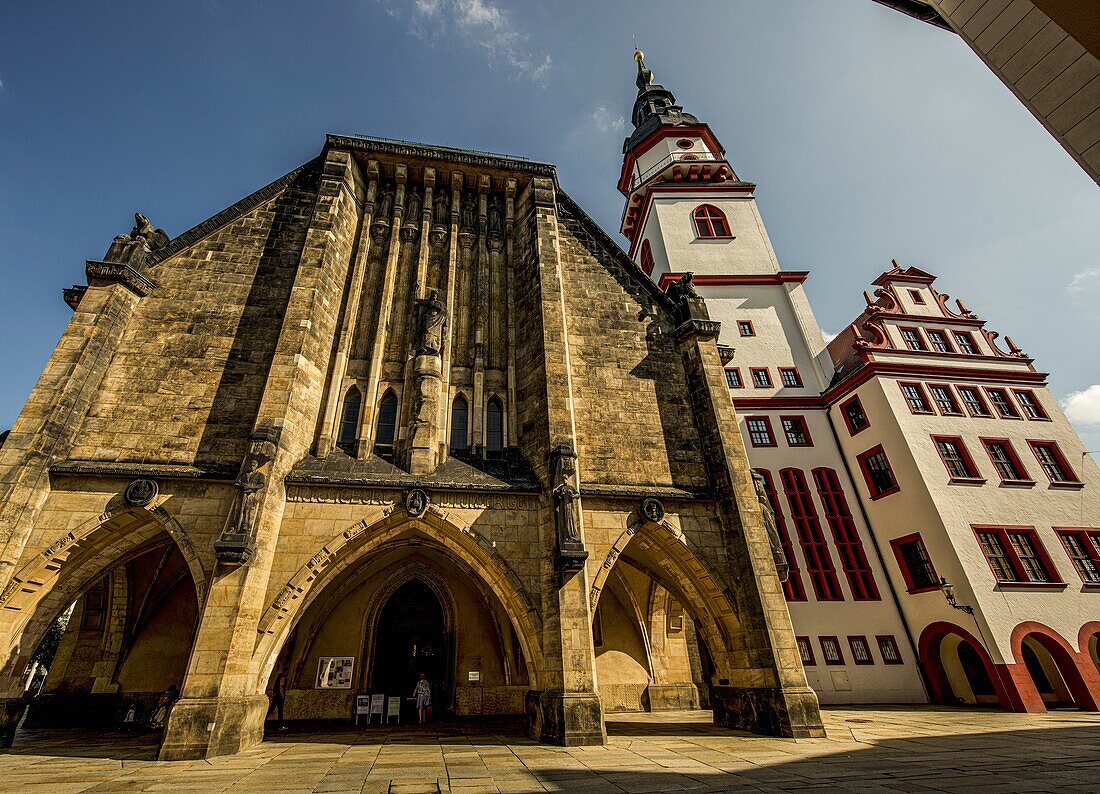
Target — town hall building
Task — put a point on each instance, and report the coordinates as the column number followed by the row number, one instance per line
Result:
column 408, row 411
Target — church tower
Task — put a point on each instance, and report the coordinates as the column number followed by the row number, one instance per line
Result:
column 687, row 211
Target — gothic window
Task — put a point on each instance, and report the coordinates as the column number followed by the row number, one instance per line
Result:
column 494, row 427
column 647, row 258
column 710, row 222
column 460, row 420
column 387, row 426
column 808, row 526
column 349, row 420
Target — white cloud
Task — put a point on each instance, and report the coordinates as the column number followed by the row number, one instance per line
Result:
column 603, row 120
column 828, row 337
column 480, row 21
column 1085, row 281
column 1083, row 407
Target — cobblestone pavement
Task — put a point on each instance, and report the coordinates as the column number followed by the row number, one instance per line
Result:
column 881, row 748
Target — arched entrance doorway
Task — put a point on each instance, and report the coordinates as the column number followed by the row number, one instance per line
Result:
column 1058, row 675
column 959, row 668
column 412, row 638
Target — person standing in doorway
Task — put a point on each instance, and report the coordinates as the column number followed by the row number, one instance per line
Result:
column 278, row 697
column 423, row 695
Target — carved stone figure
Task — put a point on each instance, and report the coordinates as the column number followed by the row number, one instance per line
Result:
column 432, row 313
column 249, row 484
column 412, row 207
column 416, row 502
column 496, row 217
column 385, row 207
column 469, row 212
column 652, row 510
column 154, row 238
column 140, row 493
column 782, row 567
column 563, row 468
column 689, row 303
column 440, row 207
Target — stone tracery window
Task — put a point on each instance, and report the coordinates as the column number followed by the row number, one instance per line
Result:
column 494, row 427
column 387, row 425
column 349, row 420
column 460, row 420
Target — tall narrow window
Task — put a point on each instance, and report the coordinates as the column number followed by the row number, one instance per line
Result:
column 646, row 258
column 854, row 416
column 494, row 427
column 814, row 548
column 792, row 588
column 460, row 425
column 710, row 222
column 387, row 426
column 349, row 421
column 849, row 545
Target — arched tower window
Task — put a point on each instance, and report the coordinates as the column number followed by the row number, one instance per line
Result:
column 460, row 420
column 387, row 425
column 710, row 221
column 349, row 420
column 646, row 258
column 494, row 427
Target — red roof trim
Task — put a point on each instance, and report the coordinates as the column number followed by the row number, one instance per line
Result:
column 784, row 277
column 664, row 131
column 873, row 368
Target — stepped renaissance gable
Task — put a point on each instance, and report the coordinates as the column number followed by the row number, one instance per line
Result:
column 405, row 410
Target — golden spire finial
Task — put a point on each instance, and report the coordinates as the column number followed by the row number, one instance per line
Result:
column 639, row 56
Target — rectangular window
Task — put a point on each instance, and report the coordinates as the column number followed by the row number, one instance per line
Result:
column 761, row 378
column 1083, row 548
column 1005, row 460
column 912, row 339
column 814, row 548
column 830, row 650
column 790, row 377
column 733, row 379
column 805, row 651
column 760, row 431
column 965, row 342
column 1030, row 403
column 1015, row 554
column 914, row 397
column 854, row 416
column 999, row 398
column 876, row 470
column 945, row 399
column 972, row 399
column 888, row 649
column 861, row 651
column 1053, row 462
column 938, row 340
column 917, row 297
column 792, row 588
column 849, row 545
column 956, row 457
column 915, row 564
column 744, row 327
column 794, row 428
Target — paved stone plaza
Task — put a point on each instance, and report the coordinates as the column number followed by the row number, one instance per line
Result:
column 892, row 749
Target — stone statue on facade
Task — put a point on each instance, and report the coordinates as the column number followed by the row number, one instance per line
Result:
column 782, row 567
column 133, row 248
column 385, row 206
column 496, row 217
column 469, row 212
column 412, row 207
column 563, row 490
column 154, row 238
column 249, row 484
column 237, row 542
column 440, row 208
column 689, row 303
column 432, row 315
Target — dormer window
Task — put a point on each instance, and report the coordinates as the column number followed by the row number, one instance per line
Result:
column 710, row 222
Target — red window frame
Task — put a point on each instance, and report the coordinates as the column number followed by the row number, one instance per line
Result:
column 1028, row 402
column 857, row 639
column 793, row 588
column 740, row 383
column 887, row 641
column 872, row 489
column 815, row 550
column 746, row 325
column 646, row 258
column 1012, row 557
column 801, row 420
column 710, row 222
column 919, row 337
column 835, row 641
column 767, row 376
column 1089, row 540
column 1013, row 413
column 903, row 565
column 797, row 379
column 767, row 423
column 916, row 297
column 1014, row 459
column 972, row 474
column 849, row 545
column 955, row 410
column 852, row 429
column 932, row 334
column 979, row 399
column 803, row 643
column 1062, row 461
column 928, row 409
column 964, row 340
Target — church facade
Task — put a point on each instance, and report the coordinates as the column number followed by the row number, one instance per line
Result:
column 408, row 410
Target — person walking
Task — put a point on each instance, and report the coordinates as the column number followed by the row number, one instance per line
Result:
column 423, row 695
column 278, row 698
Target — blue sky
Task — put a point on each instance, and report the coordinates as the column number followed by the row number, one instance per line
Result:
column 871, row 137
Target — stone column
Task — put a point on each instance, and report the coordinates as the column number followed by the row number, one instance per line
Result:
column 510, row 313
column 481, row 313
column 221, row 709
column 458, row 179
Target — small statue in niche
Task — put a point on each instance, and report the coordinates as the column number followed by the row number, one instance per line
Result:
column 496, row 217
column 412, row 208
column 441, row 208
column 433, row 313
column 782, row 567
column 385, row 206
column 565, row 495
column 469, row 212
column 249, row 484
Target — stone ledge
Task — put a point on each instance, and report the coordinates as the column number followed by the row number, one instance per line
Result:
column 168, row 471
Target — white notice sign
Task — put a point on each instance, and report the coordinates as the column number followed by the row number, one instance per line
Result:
column 334, row 672
column 475, row 676
column 393, row 708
